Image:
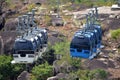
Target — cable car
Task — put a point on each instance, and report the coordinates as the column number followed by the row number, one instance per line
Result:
column 40, row 37
column 86, row 43
column 93, row 18
column 94, row 40
column 81, row 46
column 43, row 32
column 29, row 46
column 97, row 43
column 98, row 28
column 92, row 37
column 98, row 31
column 25, row 50
column 37, row 40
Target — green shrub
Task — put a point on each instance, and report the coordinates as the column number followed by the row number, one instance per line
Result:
column 83, row 74
column 115, row 34
column 42, row 72
column 75, row 62
column 98, row 74
column 61, row 47
column 9, row 71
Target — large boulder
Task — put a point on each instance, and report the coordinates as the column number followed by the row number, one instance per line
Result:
column 11, row 24
column 23, row 76
column 2, row 22
column 7, row 41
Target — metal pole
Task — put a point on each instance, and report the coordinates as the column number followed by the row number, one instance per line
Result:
column 33, row 13
column 58, row 2
column 29, row 21
column 90, row 20
column 87, row 24
column 24, row 22
column 96, row 12
column 18, row 28
column 93, row 17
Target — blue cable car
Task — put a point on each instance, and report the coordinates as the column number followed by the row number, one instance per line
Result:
column 98, row 28
column 86, row 43
column 92, row 37
column 93, row 18
column 81, row 46
column 96, row 38
column 95, row 41
column 98, row 31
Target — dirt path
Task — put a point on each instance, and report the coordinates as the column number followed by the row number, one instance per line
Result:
column 101, row 10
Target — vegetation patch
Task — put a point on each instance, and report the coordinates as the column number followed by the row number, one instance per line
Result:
column 115, row 34
column 42, row 72
column 92, row 75
column 9, row 71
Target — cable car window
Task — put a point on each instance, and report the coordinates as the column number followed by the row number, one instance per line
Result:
column 79, row 46
column 23, row 46
column 26, row 52
column 80, row 43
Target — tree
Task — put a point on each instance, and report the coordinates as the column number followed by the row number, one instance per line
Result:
column 7, row 70
column 5, row 67
column 42, row 72
column 76, row 62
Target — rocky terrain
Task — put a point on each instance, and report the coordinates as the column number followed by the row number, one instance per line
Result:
column 108, row 59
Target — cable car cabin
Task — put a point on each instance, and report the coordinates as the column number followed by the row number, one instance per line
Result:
column 92, row 38
column 98, row 28
column 37, row 38
column 98, row 31
column 97, row 40
column 41, row 36
column 95, row 37
column 43, row 32
column 24, row 50
column 81, row 46
column 94, row 41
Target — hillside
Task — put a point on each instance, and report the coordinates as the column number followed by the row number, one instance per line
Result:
column 56, row 63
